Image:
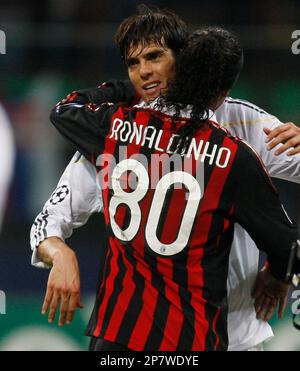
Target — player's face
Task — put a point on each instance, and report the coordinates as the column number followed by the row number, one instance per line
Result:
column 149, row 69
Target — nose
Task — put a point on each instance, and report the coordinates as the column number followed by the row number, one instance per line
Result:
column 145, row 69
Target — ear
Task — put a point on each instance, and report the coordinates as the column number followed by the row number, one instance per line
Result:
column 224, row 94
column 220, row 99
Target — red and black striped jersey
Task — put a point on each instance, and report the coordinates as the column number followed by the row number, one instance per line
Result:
column 170, row 220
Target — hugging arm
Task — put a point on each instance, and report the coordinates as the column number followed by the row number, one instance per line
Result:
column 259, row 210
column 76, row 197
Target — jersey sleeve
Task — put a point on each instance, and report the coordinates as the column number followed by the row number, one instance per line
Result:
column 247, row 121
column 114, row 91
column 76, row 197
column 86, row 126
column 258, row 210
column 78, row 194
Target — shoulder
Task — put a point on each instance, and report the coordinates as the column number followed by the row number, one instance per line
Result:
column 245, row 151
column 245, row 119
column 250, row 163
column 243, row 105
column 238, row 111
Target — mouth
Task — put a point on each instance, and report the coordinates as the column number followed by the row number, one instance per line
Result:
column 152, row 88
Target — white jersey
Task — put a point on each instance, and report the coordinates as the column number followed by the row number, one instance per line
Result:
column 245, row 120
column 7, row 155
column 76, row 197
column 82, row 197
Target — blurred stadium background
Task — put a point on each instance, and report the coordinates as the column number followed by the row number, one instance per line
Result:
column 54, row 47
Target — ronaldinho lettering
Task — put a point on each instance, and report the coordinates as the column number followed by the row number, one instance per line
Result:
column 131, row 132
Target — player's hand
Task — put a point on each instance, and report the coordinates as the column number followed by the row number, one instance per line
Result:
column 288, row 135
column 268, row 293
column 63, row 288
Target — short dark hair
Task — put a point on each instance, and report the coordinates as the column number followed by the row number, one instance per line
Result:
column 162, row 27
column 208, row 66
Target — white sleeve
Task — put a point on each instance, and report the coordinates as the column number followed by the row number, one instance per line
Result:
column 75, row 199
column 246, row 121
column 7, row 156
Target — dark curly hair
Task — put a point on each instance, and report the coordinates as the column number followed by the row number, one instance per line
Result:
column 162, row 27
column 207, row 67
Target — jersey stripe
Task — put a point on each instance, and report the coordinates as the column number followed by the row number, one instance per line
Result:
column 214, row 328
column 132, row 150
column 109, row 288
column 174, row 319
column 219, row 182
column 213, row 192
column 109, row 147
column 183, row 277
column 151, row 288
column 164, row 266
column 246, row 104
column 122, row 303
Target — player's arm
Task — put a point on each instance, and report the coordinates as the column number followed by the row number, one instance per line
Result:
column 288, row 135
column 76, row 197
column 282, row 167
column 247, row 121
column 78, row 185
column 259, row 210
column 63, row 287
column 114, row 91
column 86, row 126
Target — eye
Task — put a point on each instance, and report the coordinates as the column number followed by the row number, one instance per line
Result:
column 131, row 62
column 154, row 55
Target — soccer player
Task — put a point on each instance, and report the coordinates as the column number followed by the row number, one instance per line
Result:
column 68, row 211
column 164, row 283
column 7, row 154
